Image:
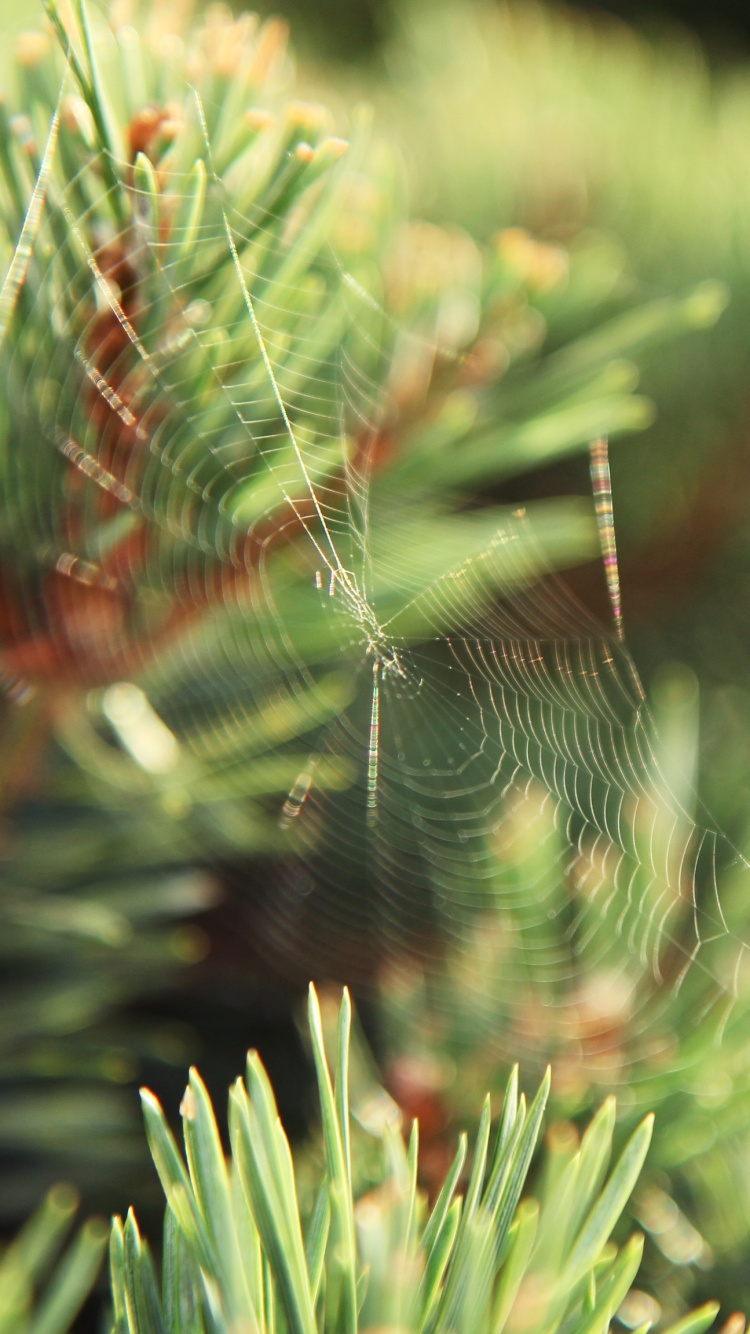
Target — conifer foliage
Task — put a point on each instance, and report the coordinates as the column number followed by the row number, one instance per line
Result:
column 217, row 330
column 244, row 1248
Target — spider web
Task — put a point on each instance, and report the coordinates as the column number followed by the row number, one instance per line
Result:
column 478, row 747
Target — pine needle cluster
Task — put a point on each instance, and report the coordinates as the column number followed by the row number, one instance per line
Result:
column 239, row 1251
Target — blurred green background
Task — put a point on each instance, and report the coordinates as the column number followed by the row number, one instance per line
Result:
column 630, row 145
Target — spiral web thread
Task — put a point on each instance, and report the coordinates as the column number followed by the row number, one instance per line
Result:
column 477, row 744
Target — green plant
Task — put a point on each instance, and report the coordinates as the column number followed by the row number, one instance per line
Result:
column 240, row 1246
column 41, row 1292
column 78, row 946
